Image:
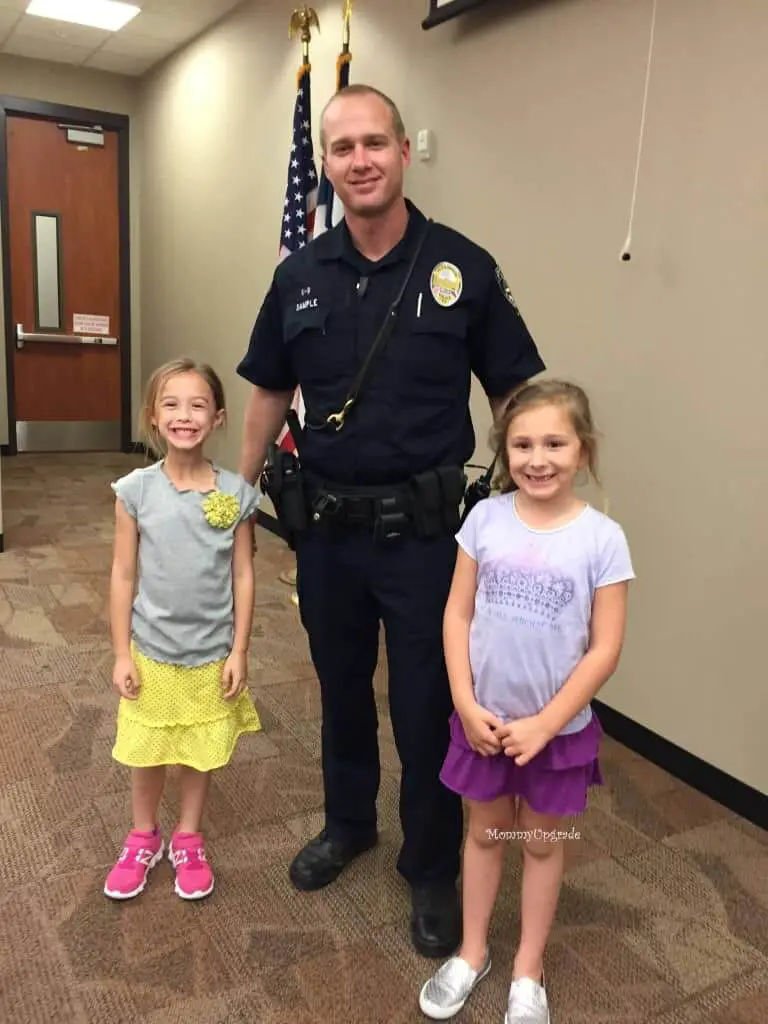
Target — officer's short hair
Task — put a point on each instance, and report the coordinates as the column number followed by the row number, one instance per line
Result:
column 360, row 89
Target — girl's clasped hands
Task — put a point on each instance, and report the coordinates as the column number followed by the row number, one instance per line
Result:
column 522, row 739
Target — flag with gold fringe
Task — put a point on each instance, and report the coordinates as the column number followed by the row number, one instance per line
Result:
column 329, row 207
column 300, row 204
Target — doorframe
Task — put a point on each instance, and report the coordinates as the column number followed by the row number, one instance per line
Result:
column 119, row 123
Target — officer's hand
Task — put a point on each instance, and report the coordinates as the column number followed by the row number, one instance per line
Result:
column 479, row 728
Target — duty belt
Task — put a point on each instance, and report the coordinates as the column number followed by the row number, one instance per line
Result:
column 426, row 505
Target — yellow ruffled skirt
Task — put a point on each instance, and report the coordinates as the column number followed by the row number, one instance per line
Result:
column 181, row 717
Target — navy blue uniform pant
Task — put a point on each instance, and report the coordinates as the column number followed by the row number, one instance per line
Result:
column 347, row 584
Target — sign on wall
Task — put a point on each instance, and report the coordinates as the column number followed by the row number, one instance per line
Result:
column 444, row 10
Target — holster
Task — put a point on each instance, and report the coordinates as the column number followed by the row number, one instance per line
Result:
column 283, row 483
column 437, row 497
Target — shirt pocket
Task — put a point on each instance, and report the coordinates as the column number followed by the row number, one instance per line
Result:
column 315, row 354
column 434, row 353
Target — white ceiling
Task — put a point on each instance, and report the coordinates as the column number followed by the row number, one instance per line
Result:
column 162, row 27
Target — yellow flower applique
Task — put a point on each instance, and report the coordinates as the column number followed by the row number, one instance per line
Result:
column 221, row 510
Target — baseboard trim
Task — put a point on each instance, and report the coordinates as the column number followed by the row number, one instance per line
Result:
column 713, row 782
column 138, row 448
column 134, row 448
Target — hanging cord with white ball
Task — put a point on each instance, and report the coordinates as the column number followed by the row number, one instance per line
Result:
column 626, row 252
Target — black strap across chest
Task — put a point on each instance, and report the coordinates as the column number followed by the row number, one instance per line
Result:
column 336, row 419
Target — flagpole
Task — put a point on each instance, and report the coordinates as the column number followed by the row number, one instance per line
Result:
column 345, row 56
column 329, row 208
column 347, row 18
column 302, row 21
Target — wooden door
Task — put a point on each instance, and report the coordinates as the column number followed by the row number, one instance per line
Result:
column 64, row 244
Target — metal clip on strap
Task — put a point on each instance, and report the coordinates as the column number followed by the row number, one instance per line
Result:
column 336, row 419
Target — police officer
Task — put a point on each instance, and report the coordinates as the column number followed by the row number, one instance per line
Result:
column 381, row 462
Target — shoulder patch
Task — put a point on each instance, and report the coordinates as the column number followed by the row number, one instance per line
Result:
column 505, row 289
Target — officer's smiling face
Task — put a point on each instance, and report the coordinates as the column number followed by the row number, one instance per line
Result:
column 363, row 158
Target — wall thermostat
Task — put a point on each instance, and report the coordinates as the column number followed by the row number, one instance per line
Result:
column 424, row 144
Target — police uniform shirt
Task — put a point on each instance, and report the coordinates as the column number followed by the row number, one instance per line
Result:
column 321, row 315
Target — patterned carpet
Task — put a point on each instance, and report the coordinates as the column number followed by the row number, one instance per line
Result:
column 664, row 912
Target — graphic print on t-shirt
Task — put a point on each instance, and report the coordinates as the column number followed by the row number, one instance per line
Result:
column 530, row 595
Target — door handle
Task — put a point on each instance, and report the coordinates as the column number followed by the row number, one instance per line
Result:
column 22, row 337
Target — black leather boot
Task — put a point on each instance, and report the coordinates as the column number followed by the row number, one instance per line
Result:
column 436, row 920
column 324, row 858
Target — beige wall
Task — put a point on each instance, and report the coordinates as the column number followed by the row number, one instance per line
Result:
column 96, row 90
column 536, row 117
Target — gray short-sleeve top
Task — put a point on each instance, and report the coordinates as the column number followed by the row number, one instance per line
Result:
column 183, row 611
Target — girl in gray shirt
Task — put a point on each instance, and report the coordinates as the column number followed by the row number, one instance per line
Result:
column 181, row 606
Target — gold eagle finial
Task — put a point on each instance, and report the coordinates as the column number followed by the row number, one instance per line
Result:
column 303, row 20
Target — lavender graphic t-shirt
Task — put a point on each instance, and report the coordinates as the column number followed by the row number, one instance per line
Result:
column 533, row 604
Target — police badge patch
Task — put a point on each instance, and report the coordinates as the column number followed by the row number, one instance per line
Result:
column 505, row 289
column 446, row 284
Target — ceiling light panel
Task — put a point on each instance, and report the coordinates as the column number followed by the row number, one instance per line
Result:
column 110, row 15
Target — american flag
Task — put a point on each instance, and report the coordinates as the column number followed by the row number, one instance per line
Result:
column 329, row 208
column 300, row 204
column 301, row 189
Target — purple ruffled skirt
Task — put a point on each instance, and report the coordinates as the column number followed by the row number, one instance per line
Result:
column 556, row 781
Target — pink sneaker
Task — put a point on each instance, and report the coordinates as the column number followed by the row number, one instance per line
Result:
column 194, row 877
column 140, row 853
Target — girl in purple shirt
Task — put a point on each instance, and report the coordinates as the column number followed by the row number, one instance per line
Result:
column 534, row 627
